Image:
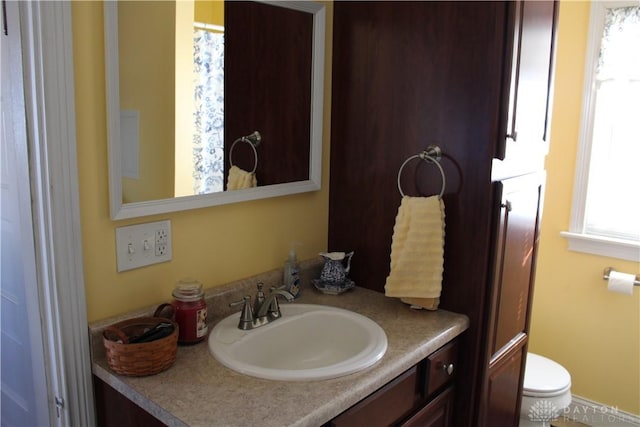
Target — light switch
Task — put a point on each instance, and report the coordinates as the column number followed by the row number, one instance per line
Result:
column 143, row 244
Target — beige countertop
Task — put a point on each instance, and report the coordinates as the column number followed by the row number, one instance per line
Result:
column 199, row 391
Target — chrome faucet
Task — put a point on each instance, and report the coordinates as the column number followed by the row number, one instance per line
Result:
column 266, row 308
column 270, row 307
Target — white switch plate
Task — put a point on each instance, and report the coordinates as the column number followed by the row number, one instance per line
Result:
column 143, row 244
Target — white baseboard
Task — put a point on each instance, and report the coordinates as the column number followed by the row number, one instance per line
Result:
column 596, row 414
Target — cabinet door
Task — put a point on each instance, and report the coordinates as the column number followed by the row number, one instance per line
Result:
column 515, row 248
column 528, row 78
column 437, row 413
column 517, row 214
column 503, row 391
column 387, row 406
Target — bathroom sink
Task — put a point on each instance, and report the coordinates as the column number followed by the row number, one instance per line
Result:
column 309, row 342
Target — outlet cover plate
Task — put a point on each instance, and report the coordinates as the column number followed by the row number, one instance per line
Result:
column 143, row 244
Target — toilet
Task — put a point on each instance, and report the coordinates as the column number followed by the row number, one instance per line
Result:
column 546, row 391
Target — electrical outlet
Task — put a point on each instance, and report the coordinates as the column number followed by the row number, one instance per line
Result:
column 143, row 244
column 161, row 242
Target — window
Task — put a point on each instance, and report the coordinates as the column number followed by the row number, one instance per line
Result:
column 605, row 216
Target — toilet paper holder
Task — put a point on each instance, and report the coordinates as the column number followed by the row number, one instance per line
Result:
column 608, row 270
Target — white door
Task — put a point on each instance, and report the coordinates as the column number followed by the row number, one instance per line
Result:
column 23, row 383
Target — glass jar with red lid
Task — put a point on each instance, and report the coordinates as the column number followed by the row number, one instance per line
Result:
column 190, row 311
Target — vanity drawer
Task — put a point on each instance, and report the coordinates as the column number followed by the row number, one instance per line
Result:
column 387, row 406
column 441, row 367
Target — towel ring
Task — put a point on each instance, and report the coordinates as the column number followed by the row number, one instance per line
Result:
column 253, row 140
column 432, row 154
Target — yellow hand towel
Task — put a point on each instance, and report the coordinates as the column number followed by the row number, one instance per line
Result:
column 417, row 252
column 239, row 179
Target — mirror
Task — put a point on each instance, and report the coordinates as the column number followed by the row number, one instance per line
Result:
column 253, row 101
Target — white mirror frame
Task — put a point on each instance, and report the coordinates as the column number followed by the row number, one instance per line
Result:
column 120, row 210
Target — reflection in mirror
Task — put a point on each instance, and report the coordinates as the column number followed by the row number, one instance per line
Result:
column 186, row 80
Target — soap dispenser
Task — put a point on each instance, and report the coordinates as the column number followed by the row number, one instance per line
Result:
column 291, row 274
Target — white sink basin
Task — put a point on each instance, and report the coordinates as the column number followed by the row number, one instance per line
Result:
column 309, row 342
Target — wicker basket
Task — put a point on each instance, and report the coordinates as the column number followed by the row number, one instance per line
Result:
column 139, row 359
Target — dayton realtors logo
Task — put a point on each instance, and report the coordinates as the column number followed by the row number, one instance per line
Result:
column 543, row 411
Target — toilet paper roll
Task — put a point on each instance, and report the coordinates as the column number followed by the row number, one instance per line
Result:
column 621, row 283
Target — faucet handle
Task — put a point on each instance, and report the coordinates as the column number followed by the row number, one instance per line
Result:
column 244, row 300
column 246, row 317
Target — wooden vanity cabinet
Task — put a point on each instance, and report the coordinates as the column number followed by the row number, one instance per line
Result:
column 113, row 409
column 421, row 396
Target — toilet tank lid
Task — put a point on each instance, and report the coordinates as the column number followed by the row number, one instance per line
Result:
column 543, row 375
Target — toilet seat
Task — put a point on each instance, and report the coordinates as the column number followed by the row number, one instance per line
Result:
column 544, row 378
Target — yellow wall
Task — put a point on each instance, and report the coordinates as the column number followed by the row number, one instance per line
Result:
column 215, row 245
column 595, row 334
column 209, row 12
column 185, row 105
column 147, row 58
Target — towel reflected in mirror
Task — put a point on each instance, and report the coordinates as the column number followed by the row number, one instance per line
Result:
column 240, row 179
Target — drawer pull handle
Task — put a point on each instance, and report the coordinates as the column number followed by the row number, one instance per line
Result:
column 448, row 368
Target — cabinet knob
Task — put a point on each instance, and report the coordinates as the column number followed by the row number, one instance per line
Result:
column 448, row 368
column 513, row 135
column 507, row 205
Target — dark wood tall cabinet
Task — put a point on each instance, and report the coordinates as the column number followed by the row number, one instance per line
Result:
column 464, row 76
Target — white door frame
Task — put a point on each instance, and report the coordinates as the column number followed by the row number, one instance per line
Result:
column 50, row 110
